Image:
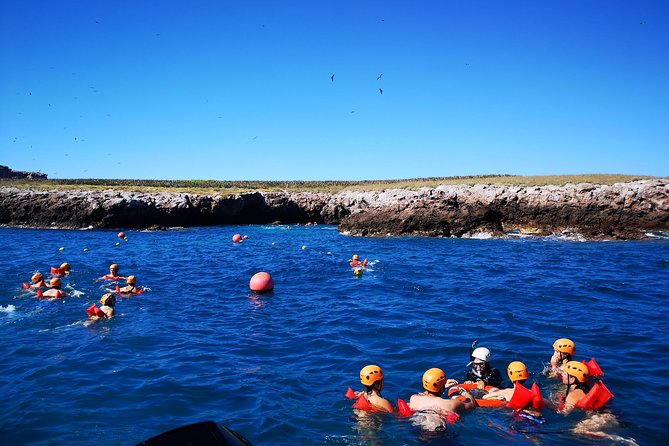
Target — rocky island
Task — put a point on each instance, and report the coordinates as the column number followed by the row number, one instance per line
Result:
column 628, row 210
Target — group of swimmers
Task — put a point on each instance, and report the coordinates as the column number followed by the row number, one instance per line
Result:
column 53, row 289
column 482, row 388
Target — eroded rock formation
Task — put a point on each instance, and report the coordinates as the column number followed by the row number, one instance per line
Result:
column 619, row 211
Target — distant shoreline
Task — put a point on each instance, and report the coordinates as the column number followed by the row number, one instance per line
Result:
column 621, row 210
column 331, row 186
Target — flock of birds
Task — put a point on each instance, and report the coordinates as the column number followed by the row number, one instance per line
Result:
column 378, row 78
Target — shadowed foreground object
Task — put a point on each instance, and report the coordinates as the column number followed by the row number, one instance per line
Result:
column 205, row 433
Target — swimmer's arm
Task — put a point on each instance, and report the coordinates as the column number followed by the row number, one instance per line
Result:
column 385, row 405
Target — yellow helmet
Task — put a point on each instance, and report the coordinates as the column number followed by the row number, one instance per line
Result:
column 434, row 380
column 578, row 370
column 108, row 300
column 131, row 280
column 65, row 266
column 113, row 266
column 565, row 345
column 370, row 374
column 55, row 282
column 517, row 371
column 37, row 277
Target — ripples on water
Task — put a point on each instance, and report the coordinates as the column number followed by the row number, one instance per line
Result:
column 200, row 346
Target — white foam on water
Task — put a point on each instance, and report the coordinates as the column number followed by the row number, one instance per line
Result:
column 8, row 309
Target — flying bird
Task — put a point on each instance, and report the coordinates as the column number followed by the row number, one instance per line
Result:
column 332, row 78
column 380, row 91
column 379, row 76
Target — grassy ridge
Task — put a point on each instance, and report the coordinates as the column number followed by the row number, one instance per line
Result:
column 235, row 187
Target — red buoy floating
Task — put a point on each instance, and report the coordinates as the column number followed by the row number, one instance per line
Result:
column 121, row 234
column 261, row 282
column 237, row 238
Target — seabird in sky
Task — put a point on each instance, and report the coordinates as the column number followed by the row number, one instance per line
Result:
column 380, row 91
column 379, row 76
column 332, row 77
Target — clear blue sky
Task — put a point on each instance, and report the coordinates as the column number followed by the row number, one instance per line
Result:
column 237, row 90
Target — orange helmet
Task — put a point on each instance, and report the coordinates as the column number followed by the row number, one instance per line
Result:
column 56, row 282
column 434, row 380
column 65, row 266
column 131, row 280
column 108, row 300
column 37, row 277
column 578, row 370
column 370, row 374
column 565, row 345
column 517, row 371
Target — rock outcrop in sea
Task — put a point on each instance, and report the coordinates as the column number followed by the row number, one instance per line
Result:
column 618, row 211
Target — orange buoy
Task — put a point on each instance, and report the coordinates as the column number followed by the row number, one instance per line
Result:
column 237, row 238
column 261, row 282
column 121, row 234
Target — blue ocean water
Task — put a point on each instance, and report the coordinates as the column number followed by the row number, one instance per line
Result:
column 198, row 345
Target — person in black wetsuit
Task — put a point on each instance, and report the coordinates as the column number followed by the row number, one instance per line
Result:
column 482, row 373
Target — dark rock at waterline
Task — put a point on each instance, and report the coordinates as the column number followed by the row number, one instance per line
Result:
column 619, row 211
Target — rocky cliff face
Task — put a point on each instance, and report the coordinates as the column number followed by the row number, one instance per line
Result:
column 617, row 211
column 6, row 172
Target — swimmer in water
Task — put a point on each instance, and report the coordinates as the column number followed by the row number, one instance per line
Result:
column 62, row 270
column 55, row 291
column 575, row 377
column 518, row 373
column 113, row 273
column 130, row 288
column 106, row 309
column 37, row 281
column 356, row 263
column 564, row 350
column 371, row 377
column 108, row 301
column 482, row 373
column 435, row 383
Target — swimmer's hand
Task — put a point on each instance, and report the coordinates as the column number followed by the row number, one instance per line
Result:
column 451, row 382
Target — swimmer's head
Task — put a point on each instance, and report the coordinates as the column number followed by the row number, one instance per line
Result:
column 37, row 277
column 434, row 380
column 355, row 257
column 481, row 354
column 55, row 282
column 65, row 266
column 108, row 300
column 131, row 280
column 371, row 374
column 517, row 371
column 578, row 370
column 113, row 267
column 564, row 345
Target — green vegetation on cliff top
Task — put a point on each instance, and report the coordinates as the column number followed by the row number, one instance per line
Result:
column 235, row 187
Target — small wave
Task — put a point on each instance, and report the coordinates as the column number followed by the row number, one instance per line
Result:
column 657, row 234
column 479, row 235
column 8, row 309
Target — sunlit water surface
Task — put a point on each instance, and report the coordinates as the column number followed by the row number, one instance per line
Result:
column 200, row 346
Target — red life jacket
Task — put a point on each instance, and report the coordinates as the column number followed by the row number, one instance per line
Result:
column 93, row 310
column 596, row 397
column 523, row 398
